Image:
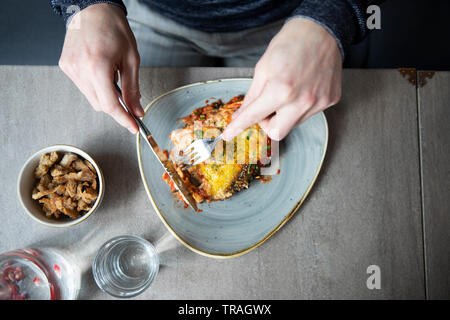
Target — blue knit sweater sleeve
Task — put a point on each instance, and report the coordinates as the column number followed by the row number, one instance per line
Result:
column 67, row 8
column 344, row 19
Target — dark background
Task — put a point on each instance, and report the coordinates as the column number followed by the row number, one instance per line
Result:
column 413, row 34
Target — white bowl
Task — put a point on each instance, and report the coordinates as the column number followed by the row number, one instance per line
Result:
column 27, row 182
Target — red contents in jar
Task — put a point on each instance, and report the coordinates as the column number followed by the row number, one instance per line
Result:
column 10, row 276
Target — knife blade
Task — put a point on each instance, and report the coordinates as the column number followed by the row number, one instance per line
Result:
column 162, row 158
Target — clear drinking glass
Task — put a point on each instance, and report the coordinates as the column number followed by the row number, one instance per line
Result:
column 38, row 274
column 125, row 266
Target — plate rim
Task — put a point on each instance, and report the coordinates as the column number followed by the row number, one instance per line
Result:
column 271, row 233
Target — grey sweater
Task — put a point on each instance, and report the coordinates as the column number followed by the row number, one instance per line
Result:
column 344, row 19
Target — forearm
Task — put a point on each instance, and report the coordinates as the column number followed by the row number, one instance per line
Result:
column 344, row 19
column 67, row 8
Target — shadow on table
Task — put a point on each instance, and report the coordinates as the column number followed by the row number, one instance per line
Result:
column 169, row 250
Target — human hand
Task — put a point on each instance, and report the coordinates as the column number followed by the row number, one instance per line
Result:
column 98, row 43
column 299, row 75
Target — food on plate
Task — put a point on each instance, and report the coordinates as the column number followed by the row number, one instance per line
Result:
column 232, row 166
column 66, row 185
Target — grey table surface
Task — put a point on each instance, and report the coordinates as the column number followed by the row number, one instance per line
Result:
column 365, row 208
column 434, row 119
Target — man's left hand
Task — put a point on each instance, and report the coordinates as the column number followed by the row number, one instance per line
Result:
column 299, row 75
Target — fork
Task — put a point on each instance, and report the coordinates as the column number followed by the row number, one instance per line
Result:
column 199, row 151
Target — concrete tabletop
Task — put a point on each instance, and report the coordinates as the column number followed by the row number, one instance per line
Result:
column 365, row 209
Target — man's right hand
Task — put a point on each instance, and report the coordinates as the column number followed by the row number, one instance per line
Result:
column 98, row 43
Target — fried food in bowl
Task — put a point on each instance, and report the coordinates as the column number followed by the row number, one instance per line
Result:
column 60, row 186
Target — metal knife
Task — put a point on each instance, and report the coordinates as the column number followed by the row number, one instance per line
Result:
column 166, row 163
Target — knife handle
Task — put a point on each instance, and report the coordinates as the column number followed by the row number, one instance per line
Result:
column 143, row 130
column 142, row 127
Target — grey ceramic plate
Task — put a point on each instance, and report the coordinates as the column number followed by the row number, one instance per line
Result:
column 237, row 225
